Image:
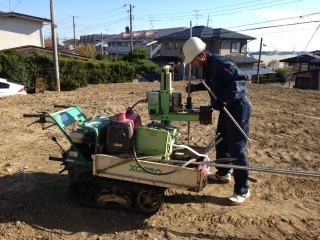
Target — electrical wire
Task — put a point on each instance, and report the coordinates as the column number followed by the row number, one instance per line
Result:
column 96, row 15
column 281, row 25
column 154, row 173
column 275, row 20
column 221, row 12
column 312, row 37
column 11, row 11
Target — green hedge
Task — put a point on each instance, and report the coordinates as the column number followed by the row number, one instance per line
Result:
column 74, row 73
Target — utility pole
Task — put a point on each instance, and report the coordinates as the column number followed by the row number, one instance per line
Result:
column 102, row 43
column 54, row 47
column 197, row 15
column 208, row 21
column 74, row 36
column 189, row 73
column 131, row 38
column 189, row 99
column 258, row 72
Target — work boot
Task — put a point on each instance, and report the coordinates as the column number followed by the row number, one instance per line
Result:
column 237, row 199
column 222, row 179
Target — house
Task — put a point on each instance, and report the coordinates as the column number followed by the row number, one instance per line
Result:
column 218, row 40
column 120, row 44
column 17, row 30
column 96, row 40
column 299, row 63
column 309, row 79
column 68, row 45
column 306, row 69
column 316, row 53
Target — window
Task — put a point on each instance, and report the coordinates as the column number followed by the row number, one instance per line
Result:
column 235, row 47
column 4, row 85
column 181, row 49
column 168, row 46
column 175, row 46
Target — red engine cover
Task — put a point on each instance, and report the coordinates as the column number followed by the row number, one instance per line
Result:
column 127, row 115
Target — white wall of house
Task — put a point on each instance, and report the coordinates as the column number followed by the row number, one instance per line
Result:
column 17, row 32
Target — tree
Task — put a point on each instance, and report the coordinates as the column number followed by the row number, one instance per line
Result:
column 139, row 57
column 86, row 50
column 273, row 64
column 136, row 54
column 101, row 57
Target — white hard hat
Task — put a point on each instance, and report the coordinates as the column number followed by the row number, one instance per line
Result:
column 192, row 48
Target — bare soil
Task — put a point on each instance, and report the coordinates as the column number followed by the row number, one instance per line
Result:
column 34, row 203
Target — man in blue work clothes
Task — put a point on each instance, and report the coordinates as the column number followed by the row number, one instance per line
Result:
column 228, row 83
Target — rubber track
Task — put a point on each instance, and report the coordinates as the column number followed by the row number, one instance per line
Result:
column 99, row 184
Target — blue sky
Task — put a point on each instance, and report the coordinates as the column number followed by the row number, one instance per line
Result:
column 300, row 31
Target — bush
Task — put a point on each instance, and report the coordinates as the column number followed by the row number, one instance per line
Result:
column 139, row 57
column 14, row 67
column 74, row 73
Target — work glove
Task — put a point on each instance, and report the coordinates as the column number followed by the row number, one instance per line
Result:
column 192, row 88
column 219, row 104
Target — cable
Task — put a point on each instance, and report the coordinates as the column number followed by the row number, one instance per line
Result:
column 90, row 16
column 302, row 16
column 154, row 173
column 312, row 37
column 16, row 6
column 222, row 12
column 11, row 11
column 282, row 25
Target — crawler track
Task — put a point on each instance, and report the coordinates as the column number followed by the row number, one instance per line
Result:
column 97, row 192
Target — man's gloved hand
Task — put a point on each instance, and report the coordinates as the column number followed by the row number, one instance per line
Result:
column 219, row 104
column 192, row 88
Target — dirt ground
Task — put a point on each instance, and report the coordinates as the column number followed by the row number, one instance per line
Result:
column 34, row 202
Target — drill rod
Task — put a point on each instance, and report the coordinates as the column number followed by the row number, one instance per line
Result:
column 227, row 112
column 258, row 169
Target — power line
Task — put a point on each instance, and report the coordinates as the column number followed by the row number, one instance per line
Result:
column 312, row 37
column 89, row 16
column 275, row 20
column 205, row 10
column 282, row 25
column 99, row 17
column 184, row 16
column 11, row 11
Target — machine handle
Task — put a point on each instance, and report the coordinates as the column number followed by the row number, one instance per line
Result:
column 55, row 159
column 61, row 106
column 31, row 115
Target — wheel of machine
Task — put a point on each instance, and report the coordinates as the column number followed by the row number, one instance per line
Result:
column 148, row 202
column 78, row 173
column 81, row 190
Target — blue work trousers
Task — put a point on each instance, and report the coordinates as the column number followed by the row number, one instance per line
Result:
column 234, row 144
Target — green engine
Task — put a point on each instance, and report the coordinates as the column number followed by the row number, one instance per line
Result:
column 156, row 139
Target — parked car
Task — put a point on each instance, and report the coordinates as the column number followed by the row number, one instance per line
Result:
column 10, row 88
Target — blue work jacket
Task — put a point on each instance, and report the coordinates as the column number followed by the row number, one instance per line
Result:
column 224, row 78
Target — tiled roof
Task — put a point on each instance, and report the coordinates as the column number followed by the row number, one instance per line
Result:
column 254, row 71
column 14, row 14
column 242, row 59
column 157, row 33
column 315, row 61
column 298, row 59
column 205, row 33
